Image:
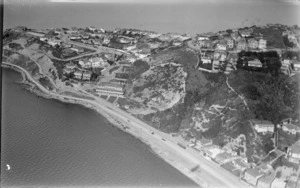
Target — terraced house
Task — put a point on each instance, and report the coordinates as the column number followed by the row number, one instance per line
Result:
column 109, row 88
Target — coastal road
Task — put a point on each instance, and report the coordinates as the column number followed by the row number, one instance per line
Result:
column 209, row 174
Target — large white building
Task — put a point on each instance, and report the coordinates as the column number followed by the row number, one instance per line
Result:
column 263, row 126
column 109, row 88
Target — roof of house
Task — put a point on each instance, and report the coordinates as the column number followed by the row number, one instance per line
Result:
column 240, row 163
column 223, row 156
column 110, row 84
column 267, row 178
column 229, row 166
column 295, row 148
column 292, row 127
column 254, row 172
column 262, row 123
column 204, row 141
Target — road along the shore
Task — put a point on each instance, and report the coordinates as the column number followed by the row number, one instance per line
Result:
column 208, row 175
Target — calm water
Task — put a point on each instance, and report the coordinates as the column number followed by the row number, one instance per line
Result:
column 197, row 17
column 51, row 143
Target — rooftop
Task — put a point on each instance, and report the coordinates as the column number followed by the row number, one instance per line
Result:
column 295, row 148
column 262, row 122
column 254, row 172
column 267, row 178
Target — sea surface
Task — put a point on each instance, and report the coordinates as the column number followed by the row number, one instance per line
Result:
column 50, row 143
column 189, row 16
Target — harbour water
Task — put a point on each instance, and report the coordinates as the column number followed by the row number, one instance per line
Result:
column 49, row 143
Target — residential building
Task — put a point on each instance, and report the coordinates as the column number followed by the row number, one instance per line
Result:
column 293, row 152
column 255, row 63
column 68, row 52
column 78, row 49
column 106, row 40
column 224, row 157
column 252, row 43
column 203, row 142
column 252, row 175
column 71, row 65
column 262, row 44
column 75, row 36
column 233, row 58
column 245, row 32
column 278, row 183
column 242, row 45
column 202, row 37
column 222, row 45
column 290, row 128
column 92, row 28
column 108, row 88
column 85, row 63
column 85, row 36
column 212, row 151
column 58, row 31
column 236, row 36
column 230, row 43
column 68, row 71
column 206, row 60
column 206, row 44
column 97, row 41
column 78, row 75
column 266, row 181
column 263, row 126
column 216, row 65
column 296, row 66
column 86, row 75
column 98, row 62
column 240, row 164
column 53, row 42
column 66, row 45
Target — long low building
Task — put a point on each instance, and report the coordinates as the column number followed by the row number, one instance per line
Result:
column 112, row 92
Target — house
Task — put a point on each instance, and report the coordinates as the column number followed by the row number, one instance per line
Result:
column 53, row 42
column 293, row 152
column 286, row 67
column 278, row 183
column 66, row 45
column 262, row 44
column 220, row 55
column 222, row 45
column 97, row 41
column 106, row 40
column 71, row 66
column 67, row 71
column 86, row 75
column 240, row 164
column 78, row 49
column 67, row 52
column 85, row 36
column 252, row 175
column 109, row 88
column 266, row 181
column 255, row 63
column 241, row 45
column 58, row 31
column 216, row 64
column 98, row 62
column 202, row 37
column 224, row 157
column 78, row 75
column 252, row 43
column 85, row 63
column 290, row 128
column 230, row 43
column 92, row 28
column 212, row 151
column 206, row 60
column 263, row 126
column 204, row 142
column 232, row 58
column 206, row 44
column 296, row 66
column 235, row 36
column 245, row 32
column 74, row 36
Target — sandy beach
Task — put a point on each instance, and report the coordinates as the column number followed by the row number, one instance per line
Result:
column 208, row 174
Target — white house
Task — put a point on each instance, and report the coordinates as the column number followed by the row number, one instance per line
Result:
column 262, row 44
column 263, row 126
column 290, row 128
column 293, row 152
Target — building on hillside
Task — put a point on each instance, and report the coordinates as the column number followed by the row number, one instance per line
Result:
column 68, row 71
column 245, row 32
column 266, row 181
column 242, row 45
column 236, row 36
column 291, row 128
column 71, row 65
column 224, row 157
column 278, row 183
column 206, row 44
column 106, row 40
column 212, row 151
column 85, row 36
column 252, row 175
column 66, row 45
column 75, row 36
column 67, row 52
column 86, row 75
column 230, row 43
column 216, row 65
column 221, row 45
column 240, row 164
column 78, row 75
column 203, row 142
column 202, row 37
column 78, row 49
column 286, row 67
column 97, row 41
column 253, row 43
column 84, row 63
column 206, row 60
column 293, row 152
column 92, row 28
column 296, row 66
column 53, row 42
column 233, row 58
column 262, row 44
column 108, row 88
column 255, row 63
column 263, row 126
column 58, row 31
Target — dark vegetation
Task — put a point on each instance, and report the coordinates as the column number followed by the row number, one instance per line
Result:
column 15, row 46
column 59, row 65
column 46, row 83
column 138, row 68
column 272, row 35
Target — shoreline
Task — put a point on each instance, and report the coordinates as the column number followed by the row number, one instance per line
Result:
column 162, row 144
